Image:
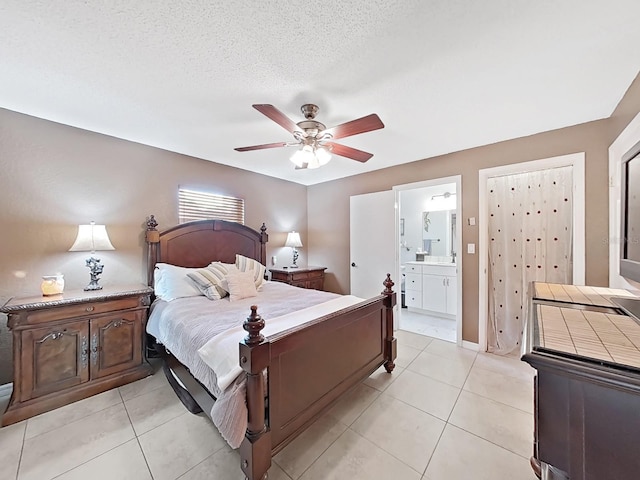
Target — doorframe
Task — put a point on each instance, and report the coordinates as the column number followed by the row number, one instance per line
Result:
column 457, row 179
column 577, row 161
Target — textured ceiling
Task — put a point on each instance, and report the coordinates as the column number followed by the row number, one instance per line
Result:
column 443, row 75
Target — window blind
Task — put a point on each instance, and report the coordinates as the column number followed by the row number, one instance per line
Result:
column 193, row 205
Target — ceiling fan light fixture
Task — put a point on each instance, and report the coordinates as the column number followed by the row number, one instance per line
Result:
column 323, row 156
column 303, row 156
column 310, row 156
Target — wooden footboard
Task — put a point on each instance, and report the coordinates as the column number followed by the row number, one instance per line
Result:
column 309, row 368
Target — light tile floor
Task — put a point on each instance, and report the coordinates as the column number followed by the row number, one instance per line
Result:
column 445, row 413
column 430, row 325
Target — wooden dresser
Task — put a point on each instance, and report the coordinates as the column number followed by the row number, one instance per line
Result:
column 305, row 277
column 71, row 346
column 585, row 346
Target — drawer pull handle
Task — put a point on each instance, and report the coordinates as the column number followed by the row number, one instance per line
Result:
column 85, row 352
column 95, row 348
column 51, row 336
column 89, row 309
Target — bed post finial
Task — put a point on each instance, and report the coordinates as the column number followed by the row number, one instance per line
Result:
column 151, row 223
column 264, row 238
column 388, row 285
column 389, row 342
column 253, row 325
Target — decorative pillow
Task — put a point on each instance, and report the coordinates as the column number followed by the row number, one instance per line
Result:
column 171, row 282
column 210, row 280
column 246, row 264
column 241, row 285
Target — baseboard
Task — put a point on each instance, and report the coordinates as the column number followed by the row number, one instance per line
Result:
column 471, row 346
column 6, row 389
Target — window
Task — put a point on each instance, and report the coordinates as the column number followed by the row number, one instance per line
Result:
column 194, row 205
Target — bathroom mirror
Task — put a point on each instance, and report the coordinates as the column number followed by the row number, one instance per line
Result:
column 439, row 233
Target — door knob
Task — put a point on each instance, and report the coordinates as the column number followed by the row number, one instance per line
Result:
column 353, row 264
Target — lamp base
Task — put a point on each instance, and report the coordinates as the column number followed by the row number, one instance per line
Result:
column 95, row 269
column 93, row 286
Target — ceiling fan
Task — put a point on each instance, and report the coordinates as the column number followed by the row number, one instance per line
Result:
column 314, row 139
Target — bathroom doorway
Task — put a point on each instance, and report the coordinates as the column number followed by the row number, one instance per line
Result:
column 429, row 258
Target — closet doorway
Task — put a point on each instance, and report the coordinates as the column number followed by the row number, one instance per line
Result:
column 531, row 229
column 428, row 258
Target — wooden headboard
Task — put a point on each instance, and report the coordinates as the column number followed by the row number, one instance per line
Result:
column 197, row 244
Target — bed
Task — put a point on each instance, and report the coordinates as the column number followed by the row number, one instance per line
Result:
column 289, row 378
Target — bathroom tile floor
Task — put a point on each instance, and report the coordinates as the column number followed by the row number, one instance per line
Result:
column 430, row 325
column 446, row 413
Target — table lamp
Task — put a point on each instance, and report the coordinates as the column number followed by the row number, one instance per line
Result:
column 293, row 241
column 92, row 238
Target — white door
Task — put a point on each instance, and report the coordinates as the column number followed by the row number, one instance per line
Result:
column 372, row 244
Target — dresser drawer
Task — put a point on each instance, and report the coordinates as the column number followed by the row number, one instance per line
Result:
column 81, row 310
column 309, row 277
column 302, row 276
column 413, row 281
column 413, row 299
column 410, row 268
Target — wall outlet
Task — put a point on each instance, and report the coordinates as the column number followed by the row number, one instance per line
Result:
column 274, row 260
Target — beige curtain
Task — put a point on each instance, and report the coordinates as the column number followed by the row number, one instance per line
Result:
column 530, row 239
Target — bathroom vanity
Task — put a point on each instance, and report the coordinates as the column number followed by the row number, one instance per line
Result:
column 431, row 288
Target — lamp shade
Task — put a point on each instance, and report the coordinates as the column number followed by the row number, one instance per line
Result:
column 293, row 240
column 91, row 238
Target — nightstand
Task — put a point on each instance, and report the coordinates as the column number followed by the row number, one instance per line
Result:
column 305, row 277
column 71, row 346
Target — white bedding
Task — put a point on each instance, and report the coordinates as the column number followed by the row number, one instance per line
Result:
column 185, row 325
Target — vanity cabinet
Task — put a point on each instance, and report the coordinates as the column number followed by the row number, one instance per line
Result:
column 431, row 287
column 68, row 347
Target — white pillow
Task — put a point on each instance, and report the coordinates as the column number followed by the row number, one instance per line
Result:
column 241, row 285
column 246, row 264
column 211, row 279
column 171, row 282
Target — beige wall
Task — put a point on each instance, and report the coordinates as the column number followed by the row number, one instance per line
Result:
column 55, row 177
column 328, row 203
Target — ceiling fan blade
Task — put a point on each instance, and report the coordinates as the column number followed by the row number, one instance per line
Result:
column 349, row 152
column 260, row 147
column 354, row 127
column 277, row 116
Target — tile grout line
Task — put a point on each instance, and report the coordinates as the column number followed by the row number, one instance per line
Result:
column 461, row 389
column 489, row 441
column 493, row 399
column 135, row 434
column 24, row 439
column 103, row 453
